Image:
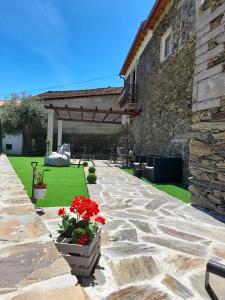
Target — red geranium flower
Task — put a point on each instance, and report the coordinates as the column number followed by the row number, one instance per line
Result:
column 72, row 209
column 83, row 240
column 100, row 219
column 61, row 212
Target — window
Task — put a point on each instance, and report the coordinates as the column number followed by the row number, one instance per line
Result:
column 8, row 146
column 166, row 45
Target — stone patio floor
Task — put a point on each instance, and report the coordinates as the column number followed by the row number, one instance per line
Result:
column 153, row 245
column 30, row 266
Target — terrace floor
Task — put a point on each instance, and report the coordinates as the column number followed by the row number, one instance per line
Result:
column 153, row 245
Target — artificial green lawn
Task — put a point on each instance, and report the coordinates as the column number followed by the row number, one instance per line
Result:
column 64, row 183
column 179, row 191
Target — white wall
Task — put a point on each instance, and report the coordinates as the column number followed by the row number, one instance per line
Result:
column 15, row 141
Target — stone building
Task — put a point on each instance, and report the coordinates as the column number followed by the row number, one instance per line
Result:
column 158, row 72
column 97, row 136
column 207, row 147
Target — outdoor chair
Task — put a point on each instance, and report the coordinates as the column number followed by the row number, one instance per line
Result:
column 164, row 170
column 139, row 160
column 60, row 158
column 215, row 268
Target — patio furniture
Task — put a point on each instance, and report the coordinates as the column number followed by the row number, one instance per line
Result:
column 138, row 172
column 140, row 159
column 86, row 155
column 59, row 159
column 122, row 156
column 216, row 269
column 164, row 170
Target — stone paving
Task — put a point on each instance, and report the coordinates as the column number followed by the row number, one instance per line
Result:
column 153, row 245
column 30, row 266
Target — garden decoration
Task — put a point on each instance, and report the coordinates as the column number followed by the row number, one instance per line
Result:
column 34, row 167
column 85, row 164
column 91, row 178
column 80, row 235
column 39, row 188
column 92, row 170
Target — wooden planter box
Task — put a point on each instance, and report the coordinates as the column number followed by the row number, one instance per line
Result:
column 81, row 259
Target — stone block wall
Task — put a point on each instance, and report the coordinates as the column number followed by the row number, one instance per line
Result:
column 207, row 147
column 165, row 88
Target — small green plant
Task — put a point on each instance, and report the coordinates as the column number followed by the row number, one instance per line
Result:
column 85, row 163
column 91, row 178
column 92, row 170
column 39, row 178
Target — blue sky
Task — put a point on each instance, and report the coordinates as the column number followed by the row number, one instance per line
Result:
column 45, row 43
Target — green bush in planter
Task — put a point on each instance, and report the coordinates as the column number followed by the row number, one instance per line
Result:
column 92, row 170
column 85, row 163
column 91, row 178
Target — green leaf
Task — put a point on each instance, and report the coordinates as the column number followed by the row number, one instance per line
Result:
column 77, row 233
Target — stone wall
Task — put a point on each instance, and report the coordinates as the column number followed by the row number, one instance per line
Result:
column 207, row 147
column 165, row 89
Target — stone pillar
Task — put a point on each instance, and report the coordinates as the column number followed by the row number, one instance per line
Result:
column 50, row 128
column 59, row 141
column 207, row 147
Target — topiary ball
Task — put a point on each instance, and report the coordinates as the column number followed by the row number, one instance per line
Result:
column 92, row 170
column 91, row 178
column 85, row 163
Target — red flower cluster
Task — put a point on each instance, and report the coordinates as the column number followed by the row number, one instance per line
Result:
column 100, row 219
column 84, row 207
column 61, row 212
column 83, row 240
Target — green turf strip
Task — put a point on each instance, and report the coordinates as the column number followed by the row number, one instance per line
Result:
column 64, row 183
column 179, row 191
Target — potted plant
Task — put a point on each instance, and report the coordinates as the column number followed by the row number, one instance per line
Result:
column 91, row 178
column 80, row 233
column 85, row 164
column 40, row 187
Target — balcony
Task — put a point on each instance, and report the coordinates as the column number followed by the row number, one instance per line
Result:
column 128, row 98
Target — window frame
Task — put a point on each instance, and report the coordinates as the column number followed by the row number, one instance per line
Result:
column 164, row 42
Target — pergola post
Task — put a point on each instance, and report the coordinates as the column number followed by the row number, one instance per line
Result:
column 50, row 128
column 59, row 141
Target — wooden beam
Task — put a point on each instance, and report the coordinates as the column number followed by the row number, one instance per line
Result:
column 91, row 121
column 56, row 111
column 116, row 118
column 67, row 109
column 93, row 117
column 217, row 117
column 106, row 115
column 101, row 111
column 82, row 113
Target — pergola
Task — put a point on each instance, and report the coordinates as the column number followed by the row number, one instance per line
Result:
column 85, row 115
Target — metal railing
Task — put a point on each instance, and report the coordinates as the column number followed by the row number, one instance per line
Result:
column 129, row 94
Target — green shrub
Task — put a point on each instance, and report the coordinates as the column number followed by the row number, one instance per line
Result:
column 85, row 163
column 91, row 178
column 91, row 170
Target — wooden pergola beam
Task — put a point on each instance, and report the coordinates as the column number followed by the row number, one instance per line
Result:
column 57, row 113
column 96, row 110
column 67, row 109
column 116, row 118
column 93, row 117
column 82, row 113
column 90, row 121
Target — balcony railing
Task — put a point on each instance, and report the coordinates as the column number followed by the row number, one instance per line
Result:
column 129, row 95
